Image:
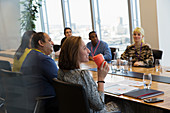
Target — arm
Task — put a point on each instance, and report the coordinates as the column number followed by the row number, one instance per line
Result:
column 102, row 72
column 107, row 52
column 95, row 94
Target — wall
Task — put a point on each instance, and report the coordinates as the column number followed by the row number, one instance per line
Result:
column 149, row 22
column 9, row 24
column 164, row 29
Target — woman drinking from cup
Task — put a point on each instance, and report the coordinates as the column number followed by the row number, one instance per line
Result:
column 73, row 53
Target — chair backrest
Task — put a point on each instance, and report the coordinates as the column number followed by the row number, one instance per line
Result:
column 56, row 47
column 14, row 92
column 2, row 106
column 157, row 54
column 71, row 97
column 113, row 50
column 5, row 65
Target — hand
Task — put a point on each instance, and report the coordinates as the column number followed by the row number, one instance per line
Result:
column 102, row 71
column 138, row 63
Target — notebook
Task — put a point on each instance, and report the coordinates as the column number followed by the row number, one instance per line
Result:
column 143, row 93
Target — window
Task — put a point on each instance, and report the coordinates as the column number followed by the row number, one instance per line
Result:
column 110, row 18
column 80, row 18
column 53, row 20
column 114, row 21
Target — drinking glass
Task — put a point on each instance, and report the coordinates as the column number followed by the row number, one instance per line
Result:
column 147, row 80
column 114, row 66
column 124, row 66
column 157, row 64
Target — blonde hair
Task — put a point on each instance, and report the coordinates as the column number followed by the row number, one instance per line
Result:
column 139, row 30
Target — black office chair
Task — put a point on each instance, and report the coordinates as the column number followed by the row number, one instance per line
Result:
column 17, row 93
column 14, row 92
column 5, row 65
column 157, row 54
column 113, row 51
column 2, row 106
column 71, row 98
column 56, row 47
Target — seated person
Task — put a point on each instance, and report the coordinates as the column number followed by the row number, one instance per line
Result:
column 39, row 69
column 22, row 51
column 72, row 54
column 140, row 53
column 97, row 46
column 67, row 33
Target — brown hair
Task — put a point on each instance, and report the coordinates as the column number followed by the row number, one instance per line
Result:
column 24, row 43
column 68, row 58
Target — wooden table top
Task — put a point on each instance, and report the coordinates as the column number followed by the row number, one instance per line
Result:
column 155, row 85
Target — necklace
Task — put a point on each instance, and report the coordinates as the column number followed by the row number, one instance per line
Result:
column 138, row 56
column 93, row 53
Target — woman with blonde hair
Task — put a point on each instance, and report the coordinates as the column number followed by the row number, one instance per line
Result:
column 139, row 52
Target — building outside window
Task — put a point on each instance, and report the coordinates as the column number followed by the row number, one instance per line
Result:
column 109, row 18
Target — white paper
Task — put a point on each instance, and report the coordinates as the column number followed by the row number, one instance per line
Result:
column 130, row 83
column 119, row 89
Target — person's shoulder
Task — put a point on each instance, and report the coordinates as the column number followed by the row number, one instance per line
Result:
column 147, row 45
column 39, row 55
column 130, row 46
column 64, row 38
column 88, row 44
column 103, row 43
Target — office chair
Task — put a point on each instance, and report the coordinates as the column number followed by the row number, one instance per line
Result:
column 113, row 51
column 71, row 97
column 2, row 106
column 40, row 104
column 56, row 47
column 16, row 93
column 5, row 65
column 157, row 54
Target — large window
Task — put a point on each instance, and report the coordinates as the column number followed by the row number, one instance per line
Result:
column 113, row 20
column 80, row 18
column 52, row 21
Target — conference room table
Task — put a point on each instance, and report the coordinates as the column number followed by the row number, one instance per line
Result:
column 157, row 85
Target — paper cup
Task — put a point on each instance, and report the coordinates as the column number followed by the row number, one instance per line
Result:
column 98, row 59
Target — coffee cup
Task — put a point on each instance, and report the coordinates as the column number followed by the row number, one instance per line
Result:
column 98, row 59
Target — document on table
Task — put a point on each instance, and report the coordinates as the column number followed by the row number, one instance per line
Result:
column 118, row 89
column 130, row 83
column 121, row 87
